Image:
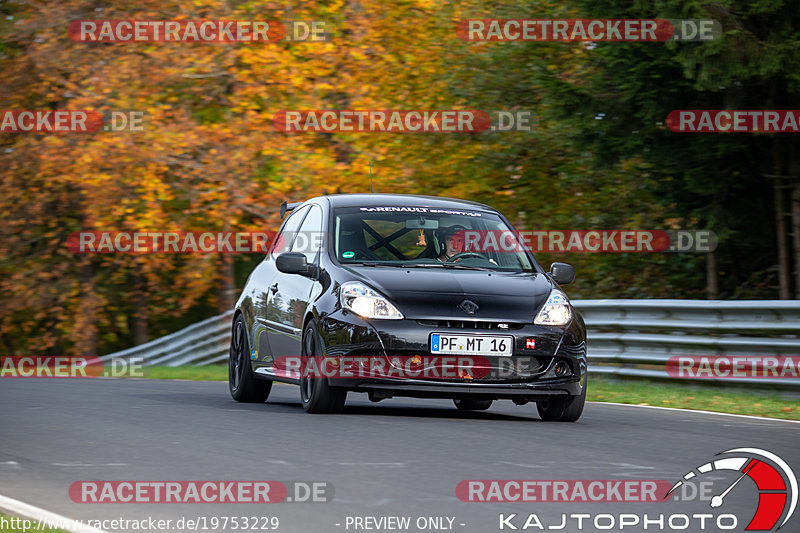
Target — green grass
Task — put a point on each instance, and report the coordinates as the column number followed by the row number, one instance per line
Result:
column 190, row 373
column 741, row 401
column 6, row 525
column 737, row 400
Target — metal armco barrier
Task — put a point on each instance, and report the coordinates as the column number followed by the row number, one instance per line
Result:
column 203, row 343
column 632, row 338
column 636, row 338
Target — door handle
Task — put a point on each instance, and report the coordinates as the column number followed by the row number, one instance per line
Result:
column 273, row 288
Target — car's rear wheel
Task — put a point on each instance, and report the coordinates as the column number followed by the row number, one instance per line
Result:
column 563, row 408
column 243, row 385
column 315, row 393
column 472, row 405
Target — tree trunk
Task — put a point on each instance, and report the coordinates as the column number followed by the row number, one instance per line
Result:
column 712, row 280
column 795, row 200
column 780, row 224
column 227, row 291
column 87, row 323
column 140, row 332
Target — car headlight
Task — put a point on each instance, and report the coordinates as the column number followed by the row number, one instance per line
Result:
column 366, row 302
column 556, row 310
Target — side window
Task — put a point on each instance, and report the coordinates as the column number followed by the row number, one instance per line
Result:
column 309, row 238
column 284, row 238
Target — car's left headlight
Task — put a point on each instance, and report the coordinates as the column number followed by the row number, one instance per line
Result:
column 556, row 310
column 366, row 302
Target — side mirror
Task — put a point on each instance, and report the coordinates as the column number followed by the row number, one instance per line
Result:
column 562, row 273
column 294, row 263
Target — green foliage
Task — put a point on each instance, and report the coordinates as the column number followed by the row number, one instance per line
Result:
column 599, row 155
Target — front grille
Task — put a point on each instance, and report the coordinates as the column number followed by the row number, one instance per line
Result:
column 470, row 324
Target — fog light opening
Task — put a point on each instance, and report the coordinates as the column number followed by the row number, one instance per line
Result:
column 562, row 369
column 376, row 396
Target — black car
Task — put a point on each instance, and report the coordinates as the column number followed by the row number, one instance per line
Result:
column 401, row 295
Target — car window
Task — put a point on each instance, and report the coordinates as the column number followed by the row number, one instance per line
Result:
column 388, row 237
column 419, row 235
column 285, row 237
column 309, row 238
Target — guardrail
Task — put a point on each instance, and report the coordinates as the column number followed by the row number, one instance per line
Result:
column 636, row 338
column 203, row 343
column 632, row 338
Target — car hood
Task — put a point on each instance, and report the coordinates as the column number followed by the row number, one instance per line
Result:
column 435, row 294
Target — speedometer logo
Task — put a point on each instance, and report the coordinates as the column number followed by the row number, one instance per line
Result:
column 776, row 483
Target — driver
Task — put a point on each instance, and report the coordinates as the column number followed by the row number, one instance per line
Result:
column 453, row 242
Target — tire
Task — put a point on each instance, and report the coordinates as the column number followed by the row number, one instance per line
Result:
column 315, row 393
column 244, row 387
column 472, row 405
column 563, row 409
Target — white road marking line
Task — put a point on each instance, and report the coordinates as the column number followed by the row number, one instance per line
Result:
column 628, row 465
column 90, row 464
column 26, row 510
column 761, row 418
column 373, row 464
column 638, row 475
column 521, row 465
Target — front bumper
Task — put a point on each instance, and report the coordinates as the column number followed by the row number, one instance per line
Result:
column 528, row 374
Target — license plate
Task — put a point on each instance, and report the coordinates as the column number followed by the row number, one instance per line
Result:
column 442, row 343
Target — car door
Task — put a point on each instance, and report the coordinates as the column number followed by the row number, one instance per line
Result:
column 289, row 293
column 262, row 278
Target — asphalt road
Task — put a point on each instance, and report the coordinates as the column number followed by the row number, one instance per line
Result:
column 401, row 457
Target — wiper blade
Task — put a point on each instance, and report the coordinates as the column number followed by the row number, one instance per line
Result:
column 377, row 263
column 453, row 266
column 464, row 267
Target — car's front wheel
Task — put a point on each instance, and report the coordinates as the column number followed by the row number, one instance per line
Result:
column 243, row 386
column 315, row 393
column 563, row 408
column 472, row 405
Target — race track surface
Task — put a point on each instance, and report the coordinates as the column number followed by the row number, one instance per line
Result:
column 400, row 457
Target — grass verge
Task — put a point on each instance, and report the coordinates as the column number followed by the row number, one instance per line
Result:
column 190, row 373
column 740, row 401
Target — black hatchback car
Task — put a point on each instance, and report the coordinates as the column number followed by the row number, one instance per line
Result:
column 401, row 295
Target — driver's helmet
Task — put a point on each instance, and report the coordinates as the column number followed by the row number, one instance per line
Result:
column 448, row 232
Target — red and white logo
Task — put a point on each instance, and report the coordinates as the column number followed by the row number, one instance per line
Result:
column 775, row 481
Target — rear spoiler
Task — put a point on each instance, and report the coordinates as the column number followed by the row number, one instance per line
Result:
column 288, row 207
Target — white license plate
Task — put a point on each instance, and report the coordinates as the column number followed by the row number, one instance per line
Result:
column 442, row 343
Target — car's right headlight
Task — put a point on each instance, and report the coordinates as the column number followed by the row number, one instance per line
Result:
column 366, row 302
column 556, row 310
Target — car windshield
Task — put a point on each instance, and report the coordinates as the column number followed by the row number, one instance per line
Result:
column 427, row 237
